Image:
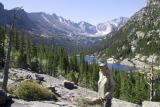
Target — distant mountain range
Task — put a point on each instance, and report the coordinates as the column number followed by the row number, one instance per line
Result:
column 62, row 30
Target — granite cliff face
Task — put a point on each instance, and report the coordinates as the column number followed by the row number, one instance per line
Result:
column 140, row 35
column 152, row 2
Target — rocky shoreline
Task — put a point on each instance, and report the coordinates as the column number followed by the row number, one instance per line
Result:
column 138, row 63
column 142, row 63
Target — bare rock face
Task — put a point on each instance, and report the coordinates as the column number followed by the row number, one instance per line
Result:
column 69, row 85
column 120, row 103
column 67, row 96
column 39, row 77
column 152, row 2
column 28, row 77
column 151, row 104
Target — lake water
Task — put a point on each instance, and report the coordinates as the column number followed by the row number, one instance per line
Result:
column 112, row 66
column 119, row 67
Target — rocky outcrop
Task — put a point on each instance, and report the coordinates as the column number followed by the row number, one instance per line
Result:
column 142, row 63
column 69, row 85
column 115, row 103
column 53, row 90
column 152, row 2
column 151, row 104
column 63, row 103
column 140, row 35
column 66, row 98
column 22, row 103
column 120, row 103
column 39, row 77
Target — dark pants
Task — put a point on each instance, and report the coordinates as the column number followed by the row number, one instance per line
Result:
column 107, row 103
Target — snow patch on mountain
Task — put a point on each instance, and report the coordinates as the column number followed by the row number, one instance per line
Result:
column 45, row 18
column 82, row 28
column 110, row 26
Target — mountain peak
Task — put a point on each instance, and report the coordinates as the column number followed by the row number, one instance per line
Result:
column 1, row 6
column 120, row 19
column 87, row 27
column 84, row 23
column 110, row 26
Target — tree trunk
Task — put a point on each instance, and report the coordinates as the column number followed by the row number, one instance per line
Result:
column 8, row 53
column 7, row 62
column 152, row 82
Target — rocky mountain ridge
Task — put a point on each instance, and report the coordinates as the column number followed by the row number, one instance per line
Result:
column 67, row 26
column 63, row 31
column 140, row 35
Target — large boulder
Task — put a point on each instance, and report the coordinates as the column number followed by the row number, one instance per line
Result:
column 150, row 104
column 121, row 103
column 29, row 77
column 39, row 77
column 3, row 97
column 69, row 85
column 53, row 90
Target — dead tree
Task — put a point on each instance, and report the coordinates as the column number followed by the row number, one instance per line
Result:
column 151, row 82
column 8, row 52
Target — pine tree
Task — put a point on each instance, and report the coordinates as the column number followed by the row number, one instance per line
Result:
column 117, row 79
column 94, row 76
column 16, row 41
column 22, row 59
column 81, row 67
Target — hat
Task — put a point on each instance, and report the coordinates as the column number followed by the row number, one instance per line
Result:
column 101, row 64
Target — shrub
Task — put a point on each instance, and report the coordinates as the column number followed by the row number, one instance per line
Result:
column 35, row 65
column 28, row 90
column 71, row 76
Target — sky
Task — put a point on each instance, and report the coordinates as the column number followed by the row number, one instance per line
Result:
column 92, row 11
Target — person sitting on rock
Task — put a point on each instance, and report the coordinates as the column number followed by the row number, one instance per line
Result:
column 105, row 85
